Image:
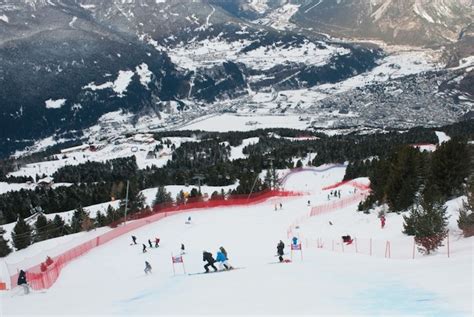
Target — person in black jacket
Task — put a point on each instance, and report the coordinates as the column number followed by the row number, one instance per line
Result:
column 207, row 257
column 280, row 252
column 23, row 282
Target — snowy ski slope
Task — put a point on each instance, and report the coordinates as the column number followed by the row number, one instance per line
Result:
column 110, row 279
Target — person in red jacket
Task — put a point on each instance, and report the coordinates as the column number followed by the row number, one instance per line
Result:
column 382, row 221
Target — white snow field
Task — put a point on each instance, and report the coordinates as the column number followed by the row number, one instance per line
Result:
column 110, row 279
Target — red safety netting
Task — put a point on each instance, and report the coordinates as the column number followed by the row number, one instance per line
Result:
column 350, row 182
column 337, row 204
column 42, row 276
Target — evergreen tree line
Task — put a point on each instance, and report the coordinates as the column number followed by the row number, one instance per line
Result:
column 407, row 172
column 421, row 183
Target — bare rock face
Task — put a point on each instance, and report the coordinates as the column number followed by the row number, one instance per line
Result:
column 411, row 22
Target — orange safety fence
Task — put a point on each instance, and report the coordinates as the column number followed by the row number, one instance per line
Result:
column 41, row 277
column 337, row 204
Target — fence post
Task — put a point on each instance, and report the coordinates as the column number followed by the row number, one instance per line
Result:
column 448, row 243
column 356, row 244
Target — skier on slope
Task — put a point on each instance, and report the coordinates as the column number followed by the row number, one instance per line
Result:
column 149, row 243
column 157, row 241
column 134, row 239
column 207, row 257
column 295, row 240
column 144, row 248
column 223, row 259
column 147, row 267
column 23, row 282
column 280, row 252
column 382, row 221
column 182, row 249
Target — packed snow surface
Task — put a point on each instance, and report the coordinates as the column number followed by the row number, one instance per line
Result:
column 110, row 278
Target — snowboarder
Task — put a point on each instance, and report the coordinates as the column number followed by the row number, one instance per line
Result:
column 382, row 221
column 280, row 251
column 144, row 248
column 134, row 239
column 149, row 242
column 147, row 267
column 157, row 241
column 23, row 282
column 295, row 240
column 207, row 257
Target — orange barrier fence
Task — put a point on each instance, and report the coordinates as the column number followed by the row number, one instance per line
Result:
column 337, row 204
column 42, row 277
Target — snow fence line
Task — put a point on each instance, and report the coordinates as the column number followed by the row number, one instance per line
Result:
column 388, row 249
column 326, row 208
column 43, row 276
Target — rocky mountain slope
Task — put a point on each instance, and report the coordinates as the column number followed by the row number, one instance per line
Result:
column 66, row 64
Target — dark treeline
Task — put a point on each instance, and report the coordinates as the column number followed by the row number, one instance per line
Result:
column 406, row 174
column 208, row 158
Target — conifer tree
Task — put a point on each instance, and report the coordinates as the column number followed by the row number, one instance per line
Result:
column 86, row 223
column 4, row 246
column 21, row 234
column 427, row 222
column 162, row 196
column 111, row 214
column 42, row 228
column 466, row 214
column 60, row 227
column 77, row 219
column 100, row 219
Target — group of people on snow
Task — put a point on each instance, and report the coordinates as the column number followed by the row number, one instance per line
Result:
column 221, row 258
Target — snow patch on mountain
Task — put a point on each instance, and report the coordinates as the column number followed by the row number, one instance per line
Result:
column 208, row 53
column 119, row 85
column 55, row 104
column 260, row 6
column 4, row 18
column 144, row 73
column 280, row 18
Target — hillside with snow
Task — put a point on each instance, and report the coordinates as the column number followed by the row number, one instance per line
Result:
column 330, row 279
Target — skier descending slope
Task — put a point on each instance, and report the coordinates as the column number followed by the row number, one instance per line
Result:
column 280, row 252
column 207, row 257
column 147, row 267
column 222, row 259
column 23, row 282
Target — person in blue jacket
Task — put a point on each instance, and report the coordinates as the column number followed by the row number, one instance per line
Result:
column 222, row 259
column 295, row 240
